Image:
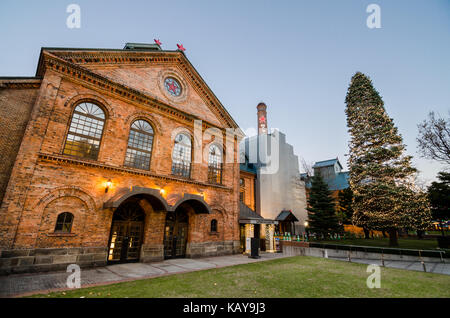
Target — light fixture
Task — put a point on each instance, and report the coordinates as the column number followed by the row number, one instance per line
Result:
column 108, row 185
column 162, row 191
column 306, row 223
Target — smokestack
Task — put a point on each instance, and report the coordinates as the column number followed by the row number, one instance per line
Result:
column 262, row 118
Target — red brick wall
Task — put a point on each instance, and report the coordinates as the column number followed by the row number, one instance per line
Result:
column 15, row 109
column 44, row 185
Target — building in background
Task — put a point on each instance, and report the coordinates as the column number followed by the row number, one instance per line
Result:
column 332, row 174
column 251, row 223
column 279, row 194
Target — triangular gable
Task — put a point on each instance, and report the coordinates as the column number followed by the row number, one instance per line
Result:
column 140, row 70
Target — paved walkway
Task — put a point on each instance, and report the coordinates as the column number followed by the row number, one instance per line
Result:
column 437, row 268
column 26, row 284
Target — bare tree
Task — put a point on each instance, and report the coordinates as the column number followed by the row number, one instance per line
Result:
column 306, row 167
column 434, row 138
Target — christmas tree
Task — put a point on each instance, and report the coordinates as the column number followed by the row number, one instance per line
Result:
column 322, row 218
column 380, row 172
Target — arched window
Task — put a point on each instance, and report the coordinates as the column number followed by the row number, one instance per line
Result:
column 85, row 131
column 140, row 141
column 215, row 164
column 214, row 225
column 64, row 222
column 181, row 156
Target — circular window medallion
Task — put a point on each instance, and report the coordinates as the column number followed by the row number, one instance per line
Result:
column 172, row 86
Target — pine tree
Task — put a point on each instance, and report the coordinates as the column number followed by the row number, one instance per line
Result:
column 345, row 209
column 439, row 196
column 379, row 169
column 417, row 211
column 322, row 218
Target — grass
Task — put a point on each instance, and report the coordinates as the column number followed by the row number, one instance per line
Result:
column 298, row 276
column 409, row 243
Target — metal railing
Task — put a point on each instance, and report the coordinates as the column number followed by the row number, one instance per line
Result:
column 383, row 250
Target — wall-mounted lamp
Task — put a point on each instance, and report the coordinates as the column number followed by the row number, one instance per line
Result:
column 162, row 191
column 306, row 223
column 108, row 185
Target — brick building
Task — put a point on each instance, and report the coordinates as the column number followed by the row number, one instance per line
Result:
column 98, row 164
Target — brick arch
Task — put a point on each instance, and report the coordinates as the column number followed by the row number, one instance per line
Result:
column 219, row 215
column 217, row 207
column 147, row 117
column 83, row 208
column 60, row 192
column 94, row 98
column 186, row 130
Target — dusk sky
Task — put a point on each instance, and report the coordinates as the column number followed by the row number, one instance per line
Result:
column 296, row 56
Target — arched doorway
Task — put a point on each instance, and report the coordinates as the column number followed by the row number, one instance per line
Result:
column 175, row 234
column 127, row 231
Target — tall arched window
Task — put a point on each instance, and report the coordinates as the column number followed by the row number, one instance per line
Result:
column 64, row 222
column 215, row 164
column 181, row 156
column 140, row 141
column 241, row 190
column 85, row 131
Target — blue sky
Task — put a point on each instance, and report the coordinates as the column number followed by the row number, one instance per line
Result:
column 296, row 56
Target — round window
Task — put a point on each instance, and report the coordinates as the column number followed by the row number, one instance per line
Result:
column 172, row 86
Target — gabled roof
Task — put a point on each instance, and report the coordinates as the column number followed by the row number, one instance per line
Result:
column 247, row 215
column 286, row 215
column 327, row 163
column 339, row 182
column 247, row 166
column 77, row 57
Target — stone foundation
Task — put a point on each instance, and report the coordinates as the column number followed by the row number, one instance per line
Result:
column 206, row 249
column 57, row 259
column 152, row 253
column 50, row 259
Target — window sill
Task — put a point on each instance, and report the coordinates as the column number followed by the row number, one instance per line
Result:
column 181, row 177
column 56, row 234
column 214, row 233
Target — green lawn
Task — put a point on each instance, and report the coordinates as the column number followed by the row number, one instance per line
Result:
column 298, row 276
column 410, row 243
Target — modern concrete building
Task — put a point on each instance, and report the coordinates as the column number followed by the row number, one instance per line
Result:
column 278, row 187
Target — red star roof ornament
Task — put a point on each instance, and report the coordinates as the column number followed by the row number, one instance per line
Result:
column 180, row 47
column 157, row 41
column 172, row 87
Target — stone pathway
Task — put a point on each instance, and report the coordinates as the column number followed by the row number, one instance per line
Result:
column 27, row 284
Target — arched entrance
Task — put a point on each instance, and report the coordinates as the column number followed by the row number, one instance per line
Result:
column 175, row 234
column 176, row 228
column 127, row 231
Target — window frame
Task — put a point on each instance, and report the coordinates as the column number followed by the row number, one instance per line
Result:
column 68, row 132
column 212, row 178
column 63, row 223
column 188, row 176
column 137, row 149
column 216, row 224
